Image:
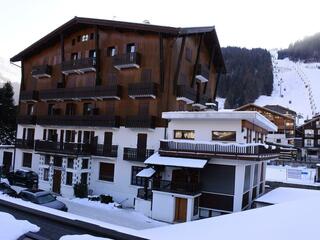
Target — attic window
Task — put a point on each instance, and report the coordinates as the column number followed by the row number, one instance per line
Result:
column 85, row 38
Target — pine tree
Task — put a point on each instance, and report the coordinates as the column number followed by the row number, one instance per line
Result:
column 7, row 115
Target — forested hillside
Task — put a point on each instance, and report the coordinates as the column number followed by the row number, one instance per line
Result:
column 307, row 50
column 249, row 75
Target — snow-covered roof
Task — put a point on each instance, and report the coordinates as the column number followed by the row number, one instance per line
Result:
column 294, row 220
column 251, row 116
column 283, row 194
column 147, row 172
column 156, row 159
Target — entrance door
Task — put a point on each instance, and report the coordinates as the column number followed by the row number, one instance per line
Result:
column 56, row 181
column 181, row 210
column 6, row 161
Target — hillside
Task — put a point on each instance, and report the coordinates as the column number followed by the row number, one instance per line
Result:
column 296, row 86
column 249, row 75
column 306, row 50
column 10, row 73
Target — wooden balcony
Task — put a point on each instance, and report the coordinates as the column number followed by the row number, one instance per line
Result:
column 24, row 143
column 202, row 73
column 128, row 60
column 138, row 155
column 215, row 150
column 176, row 187
column 43, row 71
column 26, row 119
column 92, row 93
column 63, row 148
column 29, row 96
column 143, row 90
column 79, row 66
column 141, row 122
column 186, row 94
column 90, row 121
column 104, row 151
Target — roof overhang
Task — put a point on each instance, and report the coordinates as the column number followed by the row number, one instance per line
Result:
column 156, row 159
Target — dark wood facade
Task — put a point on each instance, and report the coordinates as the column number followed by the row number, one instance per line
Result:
column 125, row 71
column 310, row 134
column 285, row 124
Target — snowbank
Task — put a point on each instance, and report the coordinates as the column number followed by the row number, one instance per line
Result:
column 82, row 237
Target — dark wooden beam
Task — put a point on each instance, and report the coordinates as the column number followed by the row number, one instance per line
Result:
column 196, row 62
column 216, row 89
column 96, row 42
column 177, row 72
column 212, row 56
column 61, row 83
column 22, row 87
column 161, row 62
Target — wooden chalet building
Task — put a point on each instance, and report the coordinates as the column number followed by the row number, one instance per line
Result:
column 92, row 95
column 285, row 122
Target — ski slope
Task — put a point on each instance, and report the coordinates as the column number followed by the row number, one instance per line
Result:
column 295, row 85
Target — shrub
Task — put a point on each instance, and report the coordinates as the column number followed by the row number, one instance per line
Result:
column 94, row 198
column 106, row 199
column 80, row 190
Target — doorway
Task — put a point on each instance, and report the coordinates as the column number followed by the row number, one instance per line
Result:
column 56, row 181
column 6, row 161
column 181, row 210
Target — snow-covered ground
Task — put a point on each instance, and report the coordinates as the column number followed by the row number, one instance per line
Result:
column 296, row 86
column 110, row 214
column 12, row 229
column 81, row 237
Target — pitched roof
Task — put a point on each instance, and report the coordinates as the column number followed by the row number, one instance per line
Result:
column 77, row 22
column 263, row 108
column 279, row 107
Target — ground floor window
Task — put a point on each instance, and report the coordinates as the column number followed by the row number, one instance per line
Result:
column 69, row 178
column 47, row 159
column 27, row 160
column 138, row 181
column 106, row 172
column 46, row 174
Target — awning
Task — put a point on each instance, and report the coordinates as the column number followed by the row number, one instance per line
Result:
column 156, row 159
column 147, row 172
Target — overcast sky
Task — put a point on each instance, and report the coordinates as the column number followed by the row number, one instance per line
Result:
column 245, row 23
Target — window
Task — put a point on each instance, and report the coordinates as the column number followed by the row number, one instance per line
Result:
column 196, row 206
column 70, row 163
column 224, row 136
column 44, row 135
column 27, row 160
column 85, row 163
column 69, row 178
column 308, row 132
column 138, row 181
column 73, row 42
column 52, row 135
column 70, row 136
column 308, row 142
column 278, row 140
column 85, row 38
column 91, row 36
column 87, row 109
column 57, row 161
column 92, row 53
column 131, row 48
column 47, row 159
column 30, row 109
column 46, row 174
column 50, row 109
column 70, row 109
column 106, row 172
column 78, row 38
column 74, row 56
column 184, row 134
column 111, row 51
column 188, row 54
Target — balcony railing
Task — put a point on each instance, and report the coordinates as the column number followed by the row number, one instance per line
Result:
column 128, row 60
column 24, row 143
column 134, row 154
column 143, row 194
column 29, row 96
column 186, row 94
column 105, row 151
column 202, row 73
column 143, row 90
column 208, row 150
column 65, row 148
column 176, row 187
column 43, row 71
column 101, row 92
column 26, row 119
column 79, row 66
column 91, row 120
column 141, row 122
